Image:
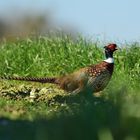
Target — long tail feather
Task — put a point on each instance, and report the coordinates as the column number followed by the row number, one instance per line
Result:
column 33, row 79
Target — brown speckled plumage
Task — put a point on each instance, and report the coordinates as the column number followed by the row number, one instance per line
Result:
column 90, row 79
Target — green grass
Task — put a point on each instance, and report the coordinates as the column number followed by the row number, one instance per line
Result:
column 55, row 115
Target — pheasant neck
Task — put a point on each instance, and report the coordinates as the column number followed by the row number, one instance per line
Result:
column 109, row 60
column 109, row 57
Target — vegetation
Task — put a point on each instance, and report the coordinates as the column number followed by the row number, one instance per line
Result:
column 43, row 111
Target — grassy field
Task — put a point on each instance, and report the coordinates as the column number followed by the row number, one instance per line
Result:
column 44, row 112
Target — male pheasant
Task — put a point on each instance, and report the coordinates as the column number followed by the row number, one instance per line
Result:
column 90, row 79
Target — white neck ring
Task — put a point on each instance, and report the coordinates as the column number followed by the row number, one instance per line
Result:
column 109, row 60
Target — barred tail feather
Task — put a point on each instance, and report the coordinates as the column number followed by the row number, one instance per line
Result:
column 33, row 79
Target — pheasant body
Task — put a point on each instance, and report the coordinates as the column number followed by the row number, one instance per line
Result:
column 90, row 79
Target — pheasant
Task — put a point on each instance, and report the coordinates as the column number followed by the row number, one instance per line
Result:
column 89, row 79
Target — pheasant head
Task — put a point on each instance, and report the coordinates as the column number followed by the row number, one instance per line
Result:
column 109, row 50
